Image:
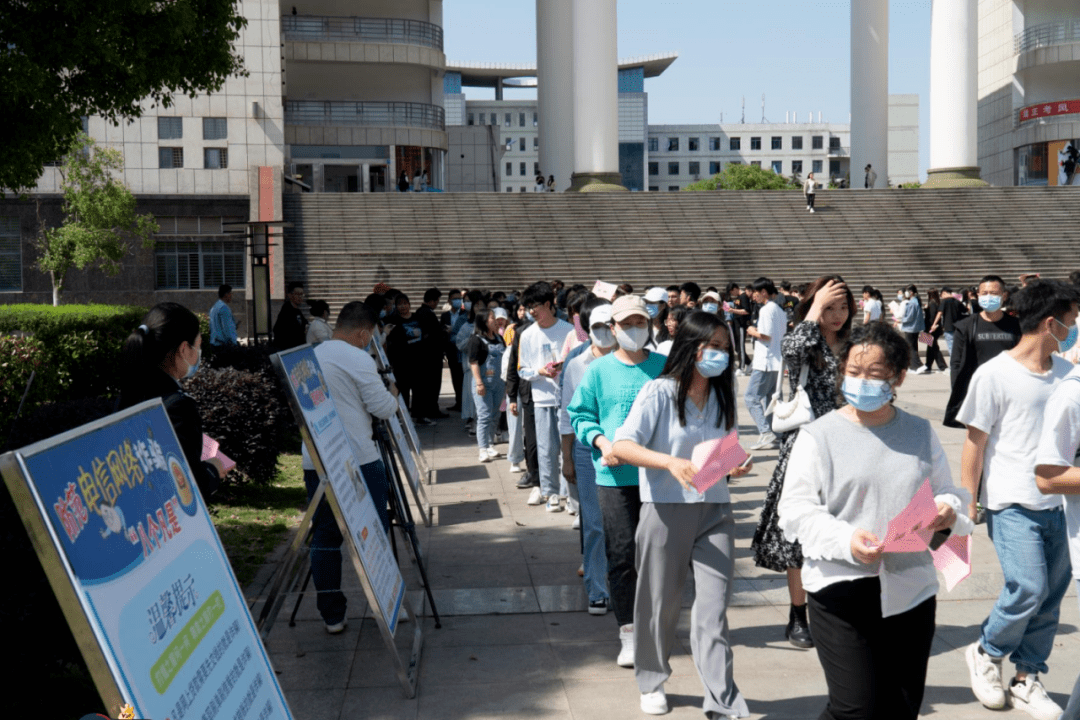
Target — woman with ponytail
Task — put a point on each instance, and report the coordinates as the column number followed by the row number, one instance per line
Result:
column 164, row 350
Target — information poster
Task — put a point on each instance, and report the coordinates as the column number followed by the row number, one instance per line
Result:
column 308, row 386
column 132, row 533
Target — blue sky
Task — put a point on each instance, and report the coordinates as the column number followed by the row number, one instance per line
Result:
column 795, row 52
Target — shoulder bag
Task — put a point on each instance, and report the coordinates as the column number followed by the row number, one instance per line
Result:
column 790, row 414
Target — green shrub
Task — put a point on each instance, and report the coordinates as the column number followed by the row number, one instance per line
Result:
column 46, row 323
column 19, row 357
column 256, row 359
column 743, row 177
column 241, row 410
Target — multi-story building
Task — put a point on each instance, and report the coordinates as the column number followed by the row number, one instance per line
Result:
column 1029, row 92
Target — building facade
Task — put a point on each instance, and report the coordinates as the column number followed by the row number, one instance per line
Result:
column 1029, row 92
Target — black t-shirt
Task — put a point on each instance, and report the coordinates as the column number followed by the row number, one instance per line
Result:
column 993, row 338
column 477, row 348
column 788, row 303
column 951, row 311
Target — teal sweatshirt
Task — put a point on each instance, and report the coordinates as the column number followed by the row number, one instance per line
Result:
column 601, row 403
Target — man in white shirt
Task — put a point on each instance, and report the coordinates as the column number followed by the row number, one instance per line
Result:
column 358, row 393
column 539, row 363
column 1003, row 412
column 768, row 338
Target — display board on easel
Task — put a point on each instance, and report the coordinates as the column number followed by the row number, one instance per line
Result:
column 137, row 567
column 404, row 431
column 345, row 490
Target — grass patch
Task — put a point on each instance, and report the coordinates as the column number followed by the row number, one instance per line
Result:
column 253, row 520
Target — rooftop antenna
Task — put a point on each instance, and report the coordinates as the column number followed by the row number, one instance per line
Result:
column 743, row 121
column 763, row 120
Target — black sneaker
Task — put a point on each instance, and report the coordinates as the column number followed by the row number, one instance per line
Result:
column 527, row 481
column 798, row 630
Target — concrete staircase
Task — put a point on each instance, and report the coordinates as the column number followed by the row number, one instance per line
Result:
column 343, row 244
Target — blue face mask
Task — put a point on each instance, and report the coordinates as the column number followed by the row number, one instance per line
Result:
column 467, row 304
column 653, row 309
column 1066, row 345
column 866, row 395
column 710, row 307
column 511, row 298
column 456, row 304
column 990, row 303
column 382, row 313
column 192, row 369
column 713, row 363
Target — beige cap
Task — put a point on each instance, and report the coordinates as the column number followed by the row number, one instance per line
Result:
column 626, row 306
column 715, row 297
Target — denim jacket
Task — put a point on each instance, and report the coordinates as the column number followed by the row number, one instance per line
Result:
column 913, row 321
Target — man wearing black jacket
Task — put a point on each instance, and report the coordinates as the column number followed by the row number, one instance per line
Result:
column 290, row 328
column 433, row 340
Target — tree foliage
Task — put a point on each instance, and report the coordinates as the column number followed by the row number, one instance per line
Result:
column 743, row 177
column 63, row 60
column 99, row 216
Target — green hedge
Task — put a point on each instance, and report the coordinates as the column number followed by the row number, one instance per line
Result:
column 46, row 323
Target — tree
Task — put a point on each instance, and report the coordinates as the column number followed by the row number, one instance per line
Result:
column 743, row 177
column 99, row 216
column 63, row 60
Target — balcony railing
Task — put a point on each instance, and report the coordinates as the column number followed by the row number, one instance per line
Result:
column 397, row 114
column 317, row 28
column 837, row 151
column 1046, row 35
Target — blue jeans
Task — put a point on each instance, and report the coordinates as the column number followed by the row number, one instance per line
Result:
column 516, row 452
column 758, row 392
column 948, row 342
column 1032, row 547
column 1072, row 710
column 592, row 525
column 487, row 411
column 326, row 540
column 548, row 449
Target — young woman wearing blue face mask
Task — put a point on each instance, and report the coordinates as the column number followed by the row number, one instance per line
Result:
column 164, row 350
column 693, row 400
column 850, row 472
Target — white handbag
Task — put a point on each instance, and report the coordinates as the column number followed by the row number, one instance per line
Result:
column 790, row 414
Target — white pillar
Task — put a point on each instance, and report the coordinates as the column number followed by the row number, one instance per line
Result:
column 596, row 88
column 954, row 88
column 554, row 90
column 870, row 90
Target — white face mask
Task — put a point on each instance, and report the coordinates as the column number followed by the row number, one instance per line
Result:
column 602, row 337
column 632, row 339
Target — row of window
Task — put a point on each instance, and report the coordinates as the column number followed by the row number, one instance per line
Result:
column 213, row 158
column 521, row 169
column 172, row 128
column 521, row 144
column 10, row 254
column 508, row 119
column 776, row 142
column 694, row 167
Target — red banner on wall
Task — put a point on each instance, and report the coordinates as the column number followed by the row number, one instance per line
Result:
column 1049, row 109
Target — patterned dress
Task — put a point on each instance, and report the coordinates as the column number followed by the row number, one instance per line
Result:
column 804, row 344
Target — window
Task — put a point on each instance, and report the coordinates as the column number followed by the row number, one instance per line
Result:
column 509, row 169
column 494, row 118
column 10, row 254
column 816, row 142
column 834, row 167
column 714, row 144
column 536, row 169
column 198, row 264
column 654, row 168
column 521, row 189
column 509, row 144
column 481, row 121
column 816, row 166
column 170, row 157
column 521, row 169
column 673, row 188
column 693, row 144
column 796, row 142
column 778, row 167
column 796, row 167
column 509, row 189
column 755, row 143
column 521, row 144
column 695, row 168
column 777, row 142
column 654, row 188
column 654, row 144
column 536, row 119
column 215, row 158
column 170, row 128
column 471, row 119
column 215, row 129
column 756, row 163
column 735, row 143
column 521, row 119
column 673, row 144
column 714, row 167
column 536, row 142
column 834, row 143
column 507, row 120
column 673, row 168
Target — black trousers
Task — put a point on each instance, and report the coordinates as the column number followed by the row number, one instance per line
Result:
column 913, row 343
column 621, row 510
column 528, row 427
column 875, row 667
column 933, row 355
column 457, row 373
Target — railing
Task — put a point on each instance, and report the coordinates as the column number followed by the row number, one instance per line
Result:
column 403, row 114
column 838, row 151
column 356, row 29
column 1046, row 35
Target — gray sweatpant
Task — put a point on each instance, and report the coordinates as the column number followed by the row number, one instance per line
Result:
column 671, row 537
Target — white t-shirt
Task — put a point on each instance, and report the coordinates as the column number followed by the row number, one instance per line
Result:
column 538, row 347
column 873, row 306
column 1059, row 445
column 1006, row 401
column 772, row 321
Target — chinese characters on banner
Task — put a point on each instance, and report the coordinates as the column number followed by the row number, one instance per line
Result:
column 1049, row 109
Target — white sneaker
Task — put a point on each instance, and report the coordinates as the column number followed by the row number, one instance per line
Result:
column 516, row 468
column 484, row 456
column 554, row 504
column 811, row 209
column 626, row 654
column 654, row 703
column 492, row 452
column 985, row 677
column 767, row 440
column 536, row 498
column 1030, row 696
column 921, row 370
column 577, row 523
column 572, row 506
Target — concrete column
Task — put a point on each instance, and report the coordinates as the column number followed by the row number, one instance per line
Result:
column 365, row 177
column 870, row 90
column 554, row 90
column 954, row 102
column 596, row 97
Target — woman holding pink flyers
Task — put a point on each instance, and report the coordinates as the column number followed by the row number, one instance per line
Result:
column 692, row 401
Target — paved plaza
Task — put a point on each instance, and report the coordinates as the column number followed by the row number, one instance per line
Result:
column 516, row 641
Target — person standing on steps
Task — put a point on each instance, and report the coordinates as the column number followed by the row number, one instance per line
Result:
column 809, row 190
column 871, row 177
